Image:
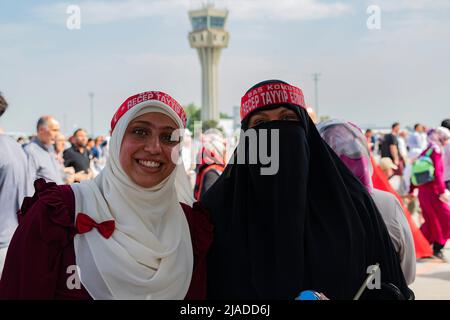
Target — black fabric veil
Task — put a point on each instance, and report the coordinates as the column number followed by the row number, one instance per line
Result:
column 311, row 226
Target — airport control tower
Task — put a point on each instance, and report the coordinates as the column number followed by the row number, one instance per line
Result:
column 209, row 38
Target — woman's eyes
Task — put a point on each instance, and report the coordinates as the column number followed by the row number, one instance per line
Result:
column 289, row 117
column 167, row 139
column 259, row 121
column 140, row 132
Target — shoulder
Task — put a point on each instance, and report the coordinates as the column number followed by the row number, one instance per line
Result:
column 11, row 150
column 384, row 197
column 49, row 213
column 200, row 226
column 390, row 207
column 196, row 215
column 68, row 151
column 436, row 148
column 30, row 147
column 7, row 140
column 386, row 202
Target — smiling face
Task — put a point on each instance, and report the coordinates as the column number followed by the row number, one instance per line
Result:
column 279, row 113
column 146, row 151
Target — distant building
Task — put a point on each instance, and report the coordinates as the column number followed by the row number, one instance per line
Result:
column 209, row 37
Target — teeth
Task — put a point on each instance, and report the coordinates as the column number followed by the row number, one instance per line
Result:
column 150, row 164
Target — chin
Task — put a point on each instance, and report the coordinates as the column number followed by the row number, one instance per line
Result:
column 147, row 183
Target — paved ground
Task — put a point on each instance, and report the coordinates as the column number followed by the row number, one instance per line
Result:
column 433, row 279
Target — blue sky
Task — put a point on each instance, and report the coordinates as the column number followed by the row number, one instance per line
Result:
column 371, row 77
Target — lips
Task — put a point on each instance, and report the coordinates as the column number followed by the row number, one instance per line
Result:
column 150, row 164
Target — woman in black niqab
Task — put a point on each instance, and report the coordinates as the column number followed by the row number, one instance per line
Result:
column 310, row 226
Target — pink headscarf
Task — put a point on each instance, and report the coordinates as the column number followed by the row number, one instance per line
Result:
column 350, row 144
column 439, row 136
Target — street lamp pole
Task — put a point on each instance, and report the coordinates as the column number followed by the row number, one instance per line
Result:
column 316, row 93
column 91, row 96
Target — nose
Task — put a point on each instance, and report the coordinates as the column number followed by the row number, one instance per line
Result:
column 153, row 145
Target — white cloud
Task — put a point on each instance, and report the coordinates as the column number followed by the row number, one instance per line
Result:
column 100, row 12
column 13, row 29
column 410, row 5
column 285, row 9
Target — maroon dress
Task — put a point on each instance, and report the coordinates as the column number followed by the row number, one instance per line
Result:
column 41, row 251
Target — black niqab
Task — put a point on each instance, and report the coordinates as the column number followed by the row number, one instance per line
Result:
column 311, row 226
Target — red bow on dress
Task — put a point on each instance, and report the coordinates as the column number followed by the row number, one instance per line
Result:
column 85, row 224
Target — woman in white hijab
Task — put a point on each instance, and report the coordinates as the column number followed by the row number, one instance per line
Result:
column 350, row 144
column 129, row 234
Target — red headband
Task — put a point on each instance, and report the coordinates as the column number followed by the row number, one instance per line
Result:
column 146, row 96
column 270, row 94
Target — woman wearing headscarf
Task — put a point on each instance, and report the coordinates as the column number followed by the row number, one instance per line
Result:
column 210, row 162
column 350, row 145
column 129, row 234
column 433, row 197
column 381, row 182
column 295, row 220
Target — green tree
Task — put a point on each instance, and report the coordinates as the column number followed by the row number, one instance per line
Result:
column 193, row 114
column 224, row 115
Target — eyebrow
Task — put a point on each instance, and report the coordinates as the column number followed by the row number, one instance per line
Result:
column 287, row 111
column 149, row 124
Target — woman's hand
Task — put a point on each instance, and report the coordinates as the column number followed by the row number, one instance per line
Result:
column 445, row 197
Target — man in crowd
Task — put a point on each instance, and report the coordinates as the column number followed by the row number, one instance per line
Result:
column 389, row 148
column 417, row 141
column 370, row 139
column 41, row 156
column 77, row 156
column 97, row 151
column 60, row 146
column 14, row 186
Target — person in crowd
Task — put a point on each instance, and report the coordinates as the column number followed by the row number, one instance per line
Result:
column 446, row 123
column 370, row 139
column 381, row 182
column 89, row 146
column 97, row 150
column 98, row 160
column 350, row 145
column 14, row 185
column 41, row 155
column 129, row 234
column 280, row 219
column 77, row 156
column 210, row 162
column 446, row 156
column 21, row 140
column 402, row 145
column 389, row 168
column 417, row 142
column 389, row 148
column 433, row 197
column 59, row 147
column 67, row 172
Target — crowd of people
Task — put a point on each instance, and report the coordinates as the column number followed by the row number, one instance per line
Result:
column 125, row 217
column 399, row 154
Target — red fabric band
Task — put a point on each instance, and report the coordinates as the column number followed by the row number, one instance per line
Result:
column 270, row 94
column 146, row 96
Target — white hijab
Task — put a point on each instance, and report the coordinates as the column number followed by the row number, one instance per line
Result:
column 149, row 255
